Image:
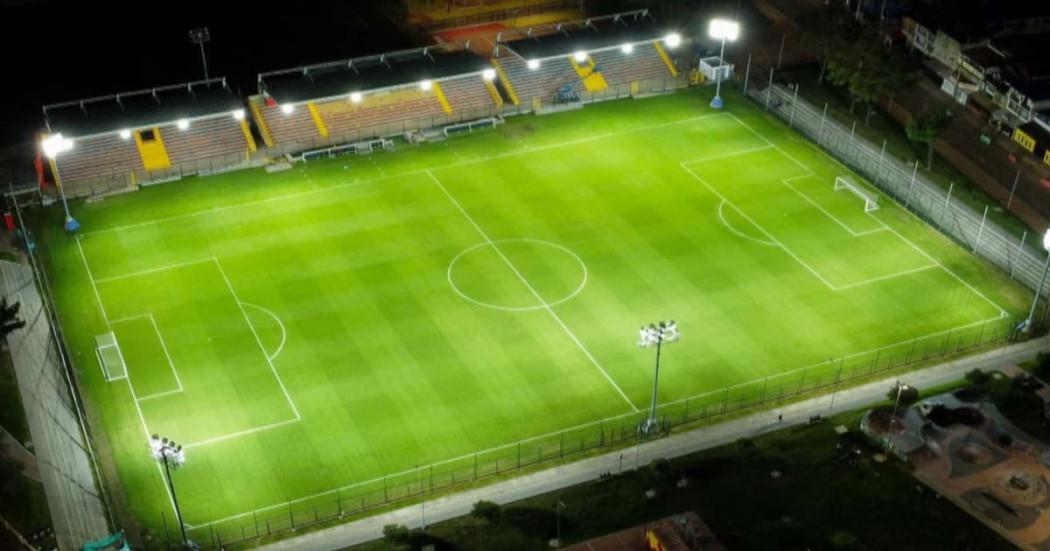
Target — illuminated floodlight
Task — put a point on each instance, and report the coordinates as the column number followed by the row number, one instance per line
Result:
column 125, row 134
column 1046, row 240
column 426, row 85
column 55, row 144
column 489, row 74
column 182, row 124
column 238, row 115
column 673, row 40
column 356, row 97
column 724, row 29
column 580, row 57
column 627, row 48
column 1039, row 289
column 287, row 108
column 533, row 64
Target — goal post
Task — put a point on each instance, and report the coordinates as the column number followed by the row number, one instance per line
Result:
column 871, row 199
column 109, row 357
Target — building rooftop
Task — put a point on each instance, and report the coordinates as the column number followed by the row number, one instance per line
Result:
column 591, row 34
column 141, row 108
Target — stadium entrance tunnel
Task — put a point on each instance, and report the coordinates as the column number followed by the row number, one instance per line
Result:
column 517, row 275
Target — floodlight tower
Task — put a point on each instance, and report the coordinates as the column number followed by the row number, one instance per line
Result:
column 656, row 334
column 1042, row 280
column 722, row 29
column 199, row 37
column 52, row 146
column 172, row 456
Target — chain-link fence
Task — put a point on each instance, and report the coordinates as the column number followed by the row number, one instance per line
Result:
column 61, row 443
column 606, row 434
column 1022, row 258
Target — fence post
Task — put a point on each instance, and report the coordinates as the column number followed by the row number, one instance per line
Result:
column 980, row 231
column 820, row 133
column 747, row 72
column 914, row 173
column 1013, row 189
column 291, row 516
column 386, row 496
column 769, row 89
column 475, row 465
column 947, row 200
column 794, row 101
column 878, row 169
column 852, row 131
column 1020, row 250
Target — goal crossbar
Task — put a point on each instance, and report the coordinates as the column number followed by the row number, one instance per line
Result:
column 871, row 200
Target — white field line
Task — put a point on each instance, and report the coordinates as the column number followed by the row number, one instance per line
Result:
column 158, row 395
column 576, row 427
column 164, row 347
column 768, row 235
column 284, row 331
column 238, row 434
column 787, row 182
column 153, row 270
column 532, row 290
column 886, row 277
column 524, row 151
column 258, row 340
column 131, row 389
column 1002, row 311
column 739, row 233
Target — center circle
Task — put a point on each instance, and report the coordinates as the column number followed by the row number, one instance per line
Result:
column 473, row 263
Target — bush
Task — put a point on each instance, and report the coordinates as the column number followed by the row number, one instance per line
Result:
column 396, row 534
column 978, row 378
column 487, row 511
column 1042, row 366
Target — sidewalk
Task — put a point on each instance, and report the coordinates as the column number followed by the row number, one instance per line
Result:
column 685, row 443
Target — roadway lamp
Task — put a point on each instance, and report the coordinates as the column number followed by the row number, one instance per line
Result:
column 580, row 56
column 172, row 456
column 533, row 64
column 1042, row 280
column 489, row 75
column 673, row 40
column 52, row 146
column 627, row 48
column 426, row 85
column 722, row 29
column 656, row 334
column 287, row 108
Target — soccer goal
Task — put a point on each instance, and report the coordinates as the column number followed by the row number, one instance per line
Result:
column 109, row 357
column 871, row 200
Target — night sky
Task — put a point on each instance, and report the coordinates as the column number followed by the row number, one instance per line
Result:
column 57, row 51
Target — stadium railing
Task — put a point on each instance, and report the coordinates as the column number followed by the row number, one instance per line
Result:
column 363, row 497
column 1019, row 257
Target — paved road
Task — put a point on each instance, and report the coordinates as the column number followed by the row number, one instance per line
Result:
column 454, row 505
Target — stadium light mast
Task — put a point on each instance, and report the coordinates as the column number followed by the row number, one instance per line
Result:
column 52, row 146
column 656, row 334
column 722, row 29
column 199, row 37
column 172, row 456
column 1042, row 280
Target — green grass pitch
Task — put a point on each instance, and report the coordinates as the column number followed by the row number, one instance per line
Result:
column 352, row 318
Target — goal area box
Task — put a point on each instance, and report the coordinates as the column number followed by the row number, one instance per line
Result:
column 109, row 357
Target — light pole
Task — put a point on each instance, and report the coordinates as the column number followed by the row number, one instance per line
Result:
column 901, row 387
column 199, row 37
column 1042, row 280
column 52, row 146
column 656, row 335
column 722, row 29
column 172, row 456
column 557, row 513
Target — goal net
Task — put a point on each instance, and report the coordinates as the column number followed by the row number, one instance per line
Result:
column 109, row 357
column 871, row 199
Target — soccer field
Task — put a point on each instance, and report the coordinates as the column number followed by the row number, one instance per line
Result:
column 356, row 318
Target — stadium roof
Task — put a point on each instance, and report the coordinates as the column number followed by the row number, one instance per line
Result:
column 363, row 74
column 588, row 35
column 141, row 109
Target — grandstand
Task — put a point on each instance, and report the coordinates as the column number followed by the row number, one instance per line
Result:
column 148, row 136
column 374, row 96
